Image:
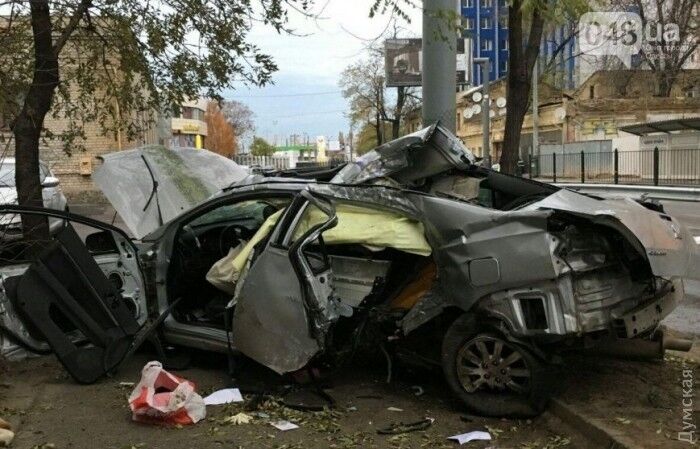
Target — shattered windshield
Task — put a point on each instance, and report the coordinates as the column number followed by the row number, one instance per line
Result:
column 152, row 185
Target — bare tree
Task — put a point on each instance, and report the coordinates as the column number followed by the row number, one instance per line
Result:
column 674, row 29
column 240, row 117
column 371, row 102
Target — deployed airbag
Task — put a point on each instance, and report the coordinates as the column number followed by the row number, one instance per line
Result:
column 376, row 229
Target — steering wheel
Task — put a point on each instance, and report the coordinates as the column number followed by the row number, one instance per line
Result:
column 188, row 229
column 238, row 233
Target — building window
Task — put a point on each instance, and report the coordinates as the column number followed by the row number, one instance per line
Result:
column 467, row 3
column 692, row 92
column 486, row 45
column 192, row 113
column 503, row 20
column 468, row 23
column 591, row 92
column 486, row 3
column 486, row 23
column 504, row 66
column 504, row 44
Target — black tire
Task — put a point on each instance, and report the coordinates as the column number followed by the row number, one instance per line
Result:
column 521, row 382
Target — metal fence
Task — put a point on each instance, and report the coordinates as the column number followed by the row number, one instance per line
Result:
column 651, row 167
column 284, row 163
column 278, row 163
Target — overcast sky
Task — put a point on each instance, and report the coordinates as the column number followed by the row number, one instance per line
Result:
column 305, row 97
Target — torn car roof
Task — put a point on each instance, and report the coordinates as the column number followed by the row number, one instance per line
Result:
column 410, row 158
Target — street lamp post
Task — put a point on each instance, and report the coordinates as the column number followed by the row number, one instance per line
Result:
column 439, row 64
column 485, row 64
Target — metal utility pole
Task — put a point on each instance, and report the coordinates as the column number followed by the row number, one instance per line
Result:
column 439, row 63
column 535, row 115
column 485, row 64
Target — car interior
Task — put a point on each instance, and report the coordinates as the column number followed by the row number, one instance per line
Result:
column 362, row 276
column 488, row 188
column 203, row 241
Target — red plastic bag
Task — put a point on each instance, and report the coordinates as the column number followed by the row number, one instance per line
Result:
column 163, row 398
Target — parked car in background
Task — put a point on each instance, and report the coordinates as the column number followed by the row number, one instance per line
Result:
column 52, row 194
column 50, row 185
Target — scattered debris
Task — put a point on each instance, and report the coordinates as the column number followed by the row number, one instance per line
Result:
column 6, row 437
column 163, row 398
column 417, row 390
column 225, row 396
column 623, row 420
column 394, row 409
column 126, row 384
column 237, row 419
column 308, row 399
column 284, row 425
column 476, row 435
column 495, row 431
column 400, row 428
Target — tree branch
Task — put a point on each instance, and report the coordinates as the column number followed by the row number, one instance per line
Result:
column 82, row 8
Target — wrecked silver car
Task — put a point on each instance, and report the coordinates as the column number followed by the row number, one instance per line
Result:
column 413, row 248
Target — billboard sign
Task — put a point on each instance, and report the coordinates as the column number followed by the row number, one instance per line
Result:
column 403, row 62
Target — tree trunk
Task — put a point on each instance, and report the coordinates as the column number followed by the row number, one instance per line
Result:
column 521, row 61
column 378, row 128
column 665, row 80
column 398, row 112
column 30, row 121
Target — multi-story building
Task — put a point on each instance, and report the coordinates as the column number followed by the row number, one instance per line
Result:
column 486, row 25
column 189, row 129
column 596, row 111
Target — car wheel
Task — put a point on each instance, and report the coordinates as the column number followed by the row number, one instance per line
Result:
column 491, row 375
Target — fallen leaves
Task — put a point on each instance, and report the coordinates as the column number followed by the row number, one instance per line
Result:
column 237, row 419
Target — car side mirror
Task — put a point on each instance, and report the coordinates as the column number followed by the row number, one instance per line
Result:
column 101, row 242
column 50, row 181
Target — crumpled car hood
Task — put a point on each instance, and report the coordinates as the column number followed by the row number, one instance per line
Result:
column 185, row 178
column 667, row 244
column 409, row 159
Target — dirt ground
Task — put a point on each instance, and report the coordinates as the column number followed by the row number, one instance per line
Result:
column 49, row 410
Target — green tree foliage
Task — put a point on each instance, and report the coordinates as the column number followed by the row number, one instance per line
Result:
column 261, row 147
column 117, row 62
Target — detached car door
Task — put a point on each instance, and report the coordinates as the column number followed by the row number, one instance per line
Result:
column 285, row 304
column 80, row 292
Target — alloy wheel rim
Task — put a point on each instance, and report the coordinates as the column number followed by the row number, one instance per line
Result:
column 487, row 363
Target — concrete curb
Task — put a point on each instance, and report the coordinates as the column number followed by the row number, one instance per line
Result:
column 595, row 430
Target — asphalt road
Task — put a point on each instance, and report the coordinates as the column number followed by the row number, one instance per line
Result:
column 686, row 317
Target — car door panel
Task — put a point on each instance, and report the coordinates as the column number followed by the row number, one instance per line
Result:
column 282, row 309
column 65, row 289
column 85, row 305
